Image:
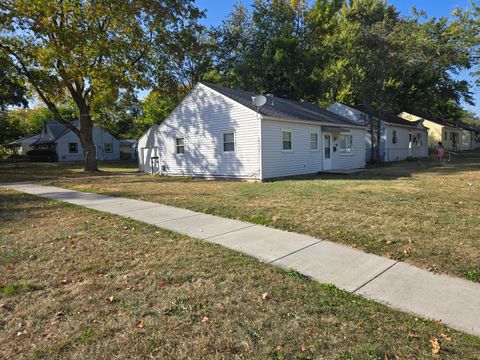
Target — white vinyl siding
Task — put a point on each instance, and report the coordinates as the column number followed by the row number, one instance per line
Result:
column 203, row 117
column 299, row 160
column 356, row 159
column 407, row 145
column 100, row 137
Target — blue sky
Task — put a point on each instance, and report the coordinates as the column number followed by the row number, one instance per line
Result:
column 218, row 9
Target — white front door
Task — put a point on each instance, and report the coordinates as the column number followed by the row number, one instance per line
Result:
column 327, row 152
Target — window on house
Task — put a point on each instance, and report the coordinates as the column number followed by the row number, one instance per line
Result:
column 107, row 147
column 394, row 137
column 314, row 141
column 228, row 142
column 419, row 139
column 72, row 148
column 180, row 145
column 287, row 140
column 446, row 135
column 346, row 144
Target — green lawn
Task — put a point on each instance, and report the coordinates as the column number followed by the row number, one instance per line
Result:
column 26, row 171
column 424, row 213
column 82, row 284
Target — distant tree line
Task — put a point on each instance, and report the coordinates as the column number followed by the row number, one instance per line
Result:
column 359, row 52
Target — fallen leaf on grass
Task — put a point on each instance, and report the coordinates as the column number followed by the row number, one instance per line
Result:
column 139, row 325
column 280, row 346
column 162, row 283
column 266, row 296
column 435, row 345
column 438, row 322
column 445, row 336
column 303, row 348
column 204, row 319
column 412, row 335
column 109, row 298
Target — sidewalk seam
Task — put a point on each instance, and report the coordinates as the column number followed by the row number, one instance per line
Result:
column 229, row 232
column 375, row 277
column 296, row 251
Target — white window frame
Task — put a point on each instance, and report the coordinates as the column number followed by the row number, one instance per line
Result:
column 317, row 149
column 106, row 146
column 343, row 151
column 291, row 140
column 177, row 146
column 234, row 142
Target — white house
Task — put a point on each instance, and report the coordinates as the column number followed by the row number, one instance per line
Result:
column 21, row 146
column 400, row 139
column 56, row 136
column 219, row 132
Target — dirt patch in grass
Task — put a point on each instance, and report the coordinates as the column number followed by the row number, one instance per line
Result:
column 108, row 287
column 423, row 213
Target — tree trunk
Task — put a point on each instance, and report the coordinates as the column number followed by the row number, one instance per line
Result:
column 86, row 139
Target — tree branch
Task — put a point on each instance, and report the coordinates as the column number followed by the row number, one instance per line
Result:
column 22, row 69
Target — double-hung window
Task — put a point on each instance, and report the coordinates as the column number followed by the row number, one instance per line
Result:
column 286, row 140
column 394, row 137
column 107, row 147
column 180, row 145
column 313, row 141
column 229, row 142
column 346, row 144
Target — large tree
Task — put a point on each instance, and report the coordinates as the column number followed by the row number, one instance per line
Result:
column 89, row 51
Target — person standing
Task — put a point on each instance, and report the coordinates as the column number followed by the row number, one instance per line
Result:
column 440, row 152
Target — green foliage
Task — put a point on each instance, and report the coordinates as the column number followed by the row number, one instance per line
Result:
column 92, row 52
column 360, row 52
column 18, row 123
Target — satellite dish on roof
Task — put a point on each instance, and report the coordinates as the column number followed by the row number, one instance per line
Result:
column 259, row 100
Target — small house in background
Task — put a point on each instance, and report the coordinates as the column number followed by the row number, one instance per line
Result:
column 470, row 136
column 448, row 133
column 221, row 132
column 21, row 146
column 60, row 140
column 128, row 149
column 399, row 139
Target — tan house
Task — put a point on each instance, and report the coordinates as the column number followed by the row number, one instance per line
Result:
column 439, row 131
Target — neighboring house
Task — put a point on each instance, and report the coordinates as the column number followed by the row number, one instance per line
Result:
column 21, row 146
column 399, row 139
column 439, row 131
column 58, row 137
column 219, row 132
column 128, row 149
column 470, row 136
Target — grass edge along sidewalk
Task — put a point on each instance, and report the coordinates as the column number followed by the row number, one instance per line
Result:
column 454, row 301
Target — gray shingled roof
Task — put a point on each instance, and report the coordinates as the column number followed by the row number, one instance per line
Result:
column 387, row 117
column 284, row 109
column 57, row 129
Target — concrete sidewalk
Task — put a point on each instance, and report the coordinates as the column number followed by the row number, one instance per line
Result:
column 454, row 301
